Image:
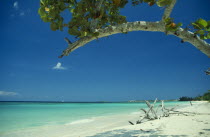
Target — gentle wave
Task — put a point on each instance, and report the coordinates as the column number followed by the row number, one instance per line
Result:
column 135, row 113
column 82, row 121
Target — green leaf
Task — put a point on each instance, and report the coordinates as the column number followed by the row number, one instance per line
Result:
column 62, row 6
column 179, row 24
column 53, row 13
column 42, row 2
column 202, row 22
column 168, row 20
column 146, row 0
column 53, row 26
column 42, row 12
column 72, row 10
column 207, row 29
column 83, row 34
column 196, row 26
column 201, row 32
column 45, row 19
column 203, row 37
column 208, row 23
column 162, row 3
column 74, row 31
column 61, row 27
column 208, row 36
column 96, row 34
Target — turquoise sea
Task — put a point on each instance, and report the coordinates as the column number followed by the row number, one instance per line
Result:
column 23, row 115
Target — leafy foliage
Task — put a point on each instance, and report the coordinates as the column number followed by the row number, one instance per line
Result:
column 84, row 13
column 202, row 28
column 170, row 25
column 160, row 3
column 89, row 15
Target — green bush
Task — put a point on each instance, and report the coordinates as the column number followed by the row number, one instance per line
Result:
column 206, row 96
column 185, row 99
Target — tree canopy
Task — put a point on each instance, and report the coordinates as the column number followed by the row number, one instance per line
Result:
column 93, row 19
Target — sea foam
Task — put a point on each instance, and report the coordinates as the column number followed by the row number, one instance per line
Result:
column 82, row 121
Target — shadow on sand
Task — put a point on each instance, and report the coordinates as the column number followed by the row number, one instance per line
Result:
column 133, row 133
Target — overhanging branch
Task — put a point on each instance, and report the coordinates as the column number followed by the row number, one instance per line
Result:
column 186, row 36
column 122, row 28
column 190, row 37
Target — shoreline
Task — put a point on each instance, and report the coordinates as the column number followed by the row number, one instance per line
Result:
column 197, row 125
column 117, row 125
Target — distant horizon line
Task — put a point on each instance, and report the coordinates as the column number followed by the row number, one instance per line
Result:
column 129, row 101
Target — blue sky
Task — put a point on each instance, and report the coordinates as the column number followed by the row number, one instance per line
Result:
column 137, row 65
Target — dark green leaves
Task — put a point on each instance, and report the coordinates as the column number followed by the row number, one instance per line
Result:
column 45, row 19
column 84, row 12
column 74, row 31
column 42, row 12
column 202, row 22
column 53, row 26
column 160, row 3
column 202, row 28
column 163, row 3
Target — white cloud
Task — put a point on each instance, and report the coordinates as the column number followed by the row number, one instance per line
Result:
column 59, row 66
column 5, row 93
column 22, row 13
column 15, row 5
column 18, row 11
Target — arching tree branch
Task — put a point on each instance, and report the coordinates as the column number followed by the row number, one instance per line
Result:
column 186, row 36
column 122, row 28
column 159, row 26
column 190, row 37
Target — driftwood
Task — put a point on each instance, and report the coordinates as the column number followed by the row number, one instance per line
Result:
column 147, row 116
column 152, row 114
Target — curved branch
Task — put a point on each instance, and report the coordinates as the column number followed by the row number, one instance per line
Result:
column 140, row 26
column 122, row 28
column 190, row 37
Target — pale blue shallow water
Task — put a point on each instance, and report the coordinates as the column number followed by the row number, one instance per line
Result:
column 23, row 115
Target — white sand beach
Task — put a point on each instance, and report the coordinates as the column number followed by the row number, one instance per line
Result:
column 118, row 126
column 197, row 125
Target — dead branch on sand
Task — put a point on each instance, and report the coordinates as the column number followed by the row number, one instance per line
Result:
column 151, row 114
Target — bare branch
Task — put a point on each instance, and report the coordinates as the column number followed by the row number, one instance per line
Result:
column 190, row 37
column 125, row 27
column 169, row 9
column 186, row 36
column 68, row 41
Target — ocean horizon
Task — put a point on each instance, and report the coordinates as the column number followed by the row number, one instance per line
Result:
column 17, row 116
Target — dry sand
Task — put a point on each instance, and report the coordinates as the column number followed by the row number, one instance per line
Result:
column 192, row 126
column 197, row 125
column 118, row 126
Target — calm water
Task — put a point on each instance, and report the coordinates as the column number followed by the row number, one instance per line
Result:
column 22, row 115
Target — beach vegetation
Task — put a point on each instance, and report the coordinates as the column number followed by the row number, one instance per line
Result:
column 204, row 97
column 185, row 98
